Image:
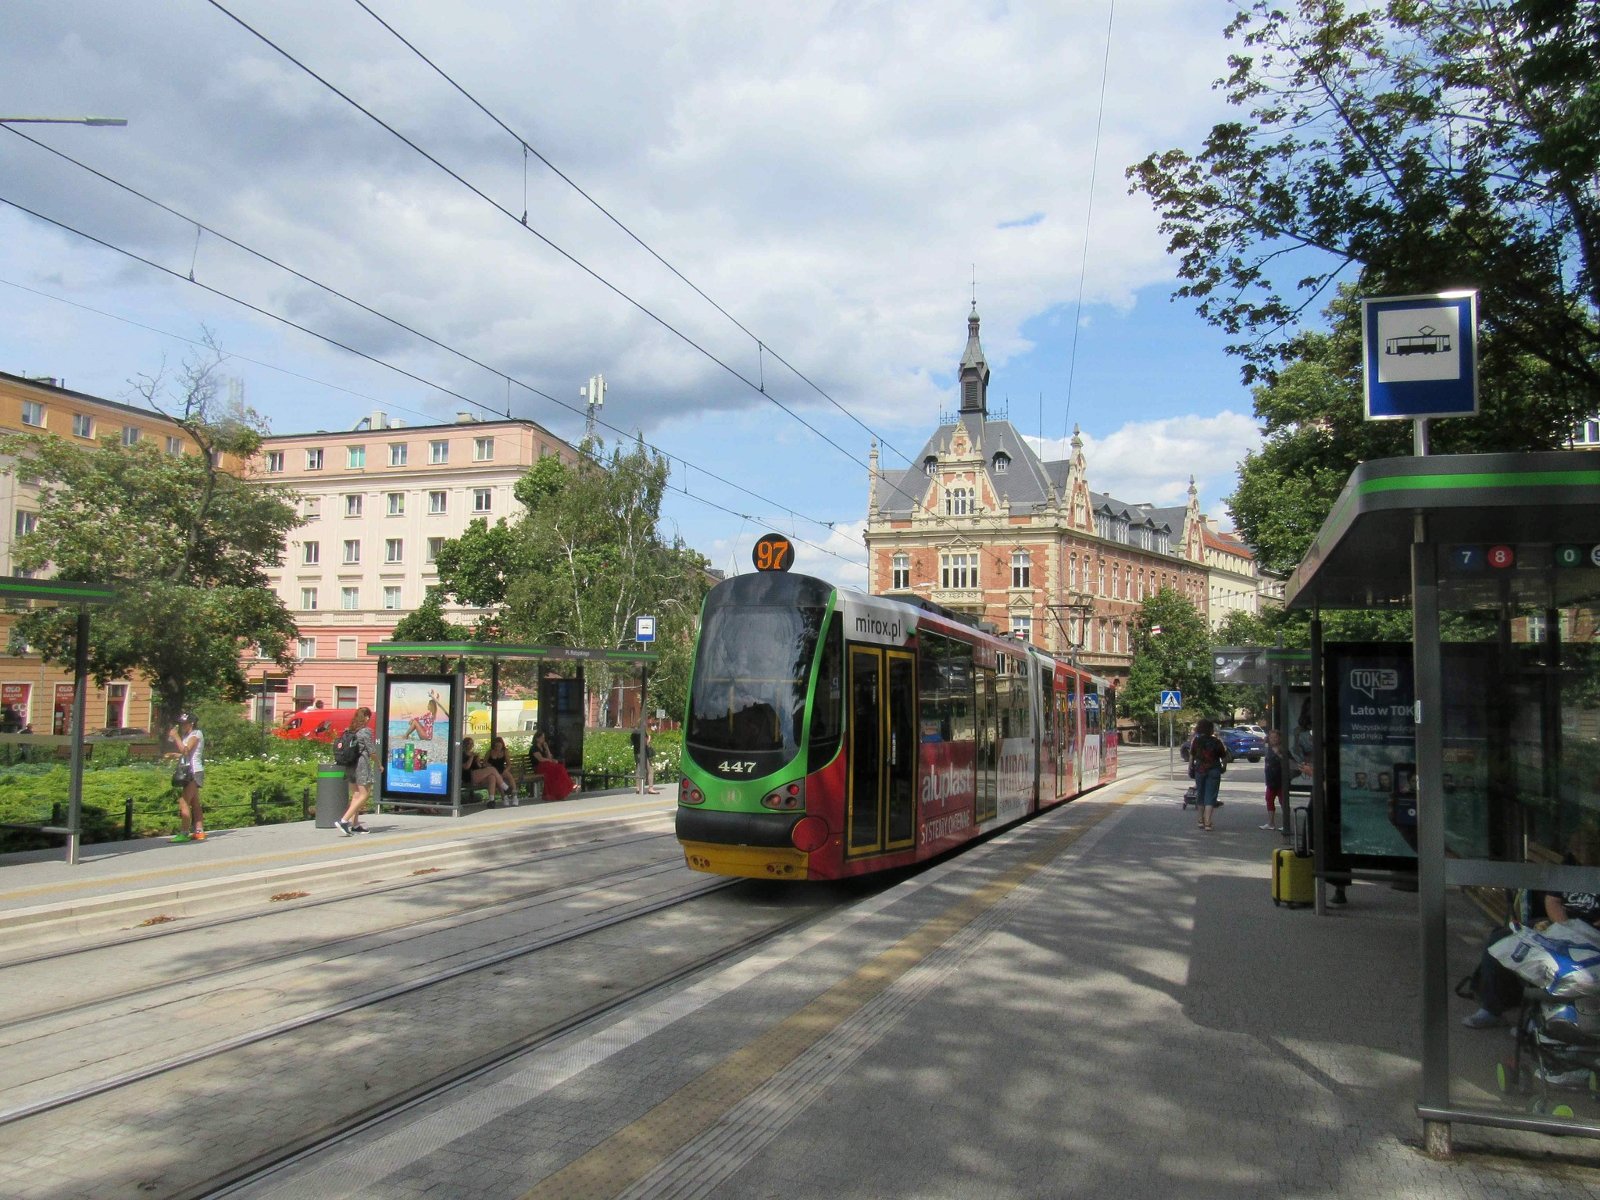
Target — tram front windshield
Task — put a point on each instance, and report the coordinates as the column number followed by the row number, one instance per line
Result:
column 750, row 676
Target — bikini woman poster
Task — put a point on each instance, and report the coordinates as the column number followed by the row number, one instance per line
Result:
column 418, row 741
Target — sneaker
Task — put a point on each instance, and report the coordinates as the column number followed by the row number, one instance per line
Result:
column 345, row 825
column 199, row 835
column 1483, row 1019
column 182, row 837
column 1574, row 1078
column 1269, row 825
column 359, row 828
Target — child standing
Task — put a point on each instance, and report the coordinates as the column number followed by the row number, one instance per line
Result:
column 1274, row 772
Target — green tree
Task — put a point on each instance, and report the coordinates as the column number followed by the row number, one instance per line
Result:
column 1426, row 143
column 1178, row 656
column 581, row 562
column 185, row 541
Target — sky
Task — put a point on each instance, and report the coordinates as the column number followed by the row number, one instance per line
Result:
column 830, row 184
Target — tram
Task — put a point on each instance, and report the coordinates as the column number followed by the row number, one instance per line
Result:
column 832, row 733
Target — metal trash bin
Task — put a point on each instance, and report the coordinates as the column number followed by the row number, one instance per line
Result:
column 333, row 794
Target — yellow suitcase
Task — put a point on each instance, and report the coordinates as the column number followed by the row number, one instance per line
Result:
column 1291, row 878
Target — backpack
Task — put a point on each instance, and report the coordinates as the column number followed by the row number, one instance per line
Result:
column 346, row 749
column 1204, row 754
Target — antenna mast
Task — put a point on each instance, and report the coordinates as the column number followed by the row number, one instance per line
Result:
column 595, row 393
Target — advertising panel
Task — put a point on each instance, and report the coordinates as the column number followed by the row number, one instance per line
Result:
column 417, row 740
column 14, row 701
column 1372, row 791
column 61, row 712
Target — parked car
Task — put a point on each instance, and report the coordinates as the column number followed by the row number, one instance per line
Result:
column 1255, row 729
column 1241, row 743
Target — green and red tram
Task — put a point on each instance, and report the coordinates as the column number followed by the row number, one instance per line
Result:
column 831, row 733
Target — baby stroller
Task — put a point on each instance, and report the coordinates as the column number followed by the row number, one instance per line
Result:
column 1557, row 1032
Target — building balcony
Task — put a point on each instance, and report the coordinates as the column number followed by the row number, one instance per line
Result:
column 962, row 599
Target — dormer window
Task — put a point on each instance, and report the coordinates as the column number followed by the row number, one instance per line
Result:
column 1002, row 462
column 957, row 502
column 929, row 463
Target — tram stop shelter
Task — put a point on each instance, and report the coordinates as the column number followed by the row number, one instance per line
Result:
column 423, row 774
column 1497, row 556
column 20, row 592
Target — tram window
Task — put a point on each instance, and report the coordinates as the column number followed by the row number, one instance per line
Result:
column 751, row 675
column 1091, row 711
column 827, row 698
column 945, row 670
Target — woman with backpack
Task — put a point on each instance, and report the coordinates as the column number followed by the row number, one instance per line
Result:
column 360, row 773
column 1207, row 759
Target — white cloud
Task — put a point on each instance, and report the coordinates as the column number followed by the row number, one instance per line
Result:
column 1152, row 461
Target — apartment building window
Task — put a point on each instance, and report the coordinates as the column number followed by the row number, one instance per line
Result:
column 397, row 504
column 311, row 508
column 352, row 505
column 344, row 695
column 355, row 457
column 958, row 572
column 435, row 544
column 1022, row 627
column 349, row 598
column 1021, row 568
column 393, row 550
column 274, row 460
column 482, row 500
column 1101, row 589
column 957, row 502
column 436, row 502
column 27, row 522
column 352, row 550
column 33, row 413
column 130, row 435
column 308, row 599
column 82, row 425
column 311, row 553
column 308, row 648
column 304, row 696
column 391, row 596
column 900, row 572
column 483, row 449
column 313, row 457
column 439, row 451
column 397, row 454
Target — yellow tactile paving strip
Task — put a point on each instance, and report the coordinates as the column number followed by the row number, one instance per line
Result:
column 633, row 1152
column 210, row 870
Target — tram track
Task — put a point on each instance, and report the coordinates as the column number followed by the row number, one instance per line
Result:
column 83, row 957
column 326, row 953
column 284, row 1089
column 11, row 1116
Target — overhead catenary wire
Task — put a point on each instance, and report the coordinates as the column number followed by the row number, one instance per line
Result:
column 563, row 252
column 527, row 149
column 382, row 316
column 399, row 370
column 1088, row 219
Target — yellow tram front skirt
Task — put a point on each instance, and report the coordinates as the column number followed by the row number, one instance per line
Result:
column 748, row 862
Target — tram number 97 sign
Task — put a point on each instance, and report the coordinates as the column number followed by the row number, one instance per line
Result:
column 773, row 552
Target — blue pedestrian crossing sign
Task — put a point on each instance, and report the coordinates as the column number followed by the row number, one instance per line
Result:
column 1171, row 701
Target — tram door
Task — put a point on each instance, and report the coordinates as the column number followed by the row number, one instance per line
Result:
column 883, row 750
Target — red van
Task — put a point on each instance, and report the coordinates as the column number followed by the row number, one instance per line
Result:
column 317, row 724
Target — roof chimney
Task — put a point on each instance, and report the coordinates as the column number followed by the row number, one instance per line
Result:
column 464, row 417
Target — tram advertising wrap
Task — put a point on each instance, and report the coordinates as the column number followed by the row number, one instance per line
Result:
column 417, row 741
column 831, row 733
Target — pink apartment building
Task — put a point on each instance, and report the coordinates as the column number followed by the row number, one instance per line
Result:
column 377, row 502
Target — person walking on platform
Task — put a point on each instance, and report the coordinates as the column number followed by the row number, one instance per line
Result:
column 190, row 742
column 1207, row 759
column 1274, row 772
column 644, row 767
column 360, row 776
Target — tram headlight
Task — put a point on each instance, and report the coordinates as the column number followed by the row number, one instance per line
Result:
column 689, row 794
column 789, row 798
